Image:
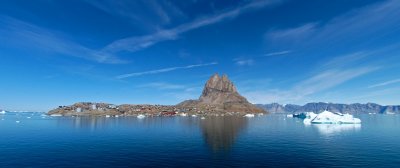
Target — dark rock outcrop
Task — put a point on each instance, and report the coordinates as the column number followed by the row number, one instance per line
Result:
column 220, row 95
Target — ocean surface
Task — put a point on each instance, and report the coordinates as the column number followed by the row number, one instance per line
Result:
column 265, row 141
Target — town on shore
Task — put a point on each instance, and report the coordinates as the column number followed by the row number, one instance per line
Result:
column 105, row 109
column 219, row 98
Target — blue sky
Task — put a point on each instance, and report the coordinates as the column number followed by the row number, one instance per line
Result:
column 162, row 52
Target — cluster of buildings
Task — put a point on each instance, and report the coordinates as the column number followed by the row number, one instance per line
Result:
column 88, row 108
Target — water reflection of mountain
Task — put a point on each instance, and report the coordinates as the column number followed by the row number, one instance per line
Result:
column 220, row 132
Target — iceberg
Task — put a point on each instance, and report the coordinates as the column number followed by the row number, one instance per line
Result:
column 141, row 116
column 249, row 115
column 56, row 115
column 2, row 112
column 327, row 117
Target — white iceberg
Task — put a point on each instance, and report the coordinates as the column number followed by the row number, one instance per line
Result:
column 249, row 115
column 56, row 115
column 141, row 116
column 2, row 112
column 327, row 117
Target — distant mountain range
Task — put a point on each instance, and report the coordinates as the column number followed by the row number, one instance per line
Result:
column 356, row 108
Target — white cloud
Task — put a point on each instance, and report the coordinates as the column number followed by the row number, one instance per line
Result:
column 137, row 43
column 162, row 86
column 149, row 13
column 329, row 76
column 376, row 20
column 243, row 62
column 296, row 33
column 163, row 70
column 31, row 36
column 277, row 53
column 385, row 83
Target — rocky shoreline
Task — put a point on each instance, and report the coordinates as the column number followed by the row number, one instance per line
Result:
column 104, row 109
column 219, row 98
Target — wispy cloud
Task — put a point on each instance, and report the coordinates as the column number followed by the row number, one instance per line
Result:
column 149, row 13
column 327, row 78
column 296, row 33
column 31, row 36
column 136, row 43
column 243, row 62
column 385, row 83
column 277, row 53
column 341, row 61
column 162, row 86
column 380, row 18
column 163, row 70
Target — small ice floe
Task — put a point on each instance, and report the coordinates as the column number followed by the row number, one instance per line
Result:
column 116, row 116
column 28, row 117
column 141, row 116
column 17, row 121
column 56, row 115
column 249, row 115
column 260, row 114
column 2, row 112
column 107, row 116
column 203, row 118
column 289, row 116
column 327, row 117
column 194, row 115
column 183, row 114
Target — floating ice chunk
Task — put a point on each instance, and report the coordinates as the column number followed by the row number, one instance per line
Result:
column 327, row 117
column 141, row 116
column 289, row 116
column 56, row 115
column 107, row 116
column 249, row 115
column 203, row 118
column 17, row 121
column 194, row 115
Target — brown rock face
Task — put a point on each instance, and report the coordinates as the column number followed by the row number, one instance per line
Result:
column 221, row 95
column 219, row 90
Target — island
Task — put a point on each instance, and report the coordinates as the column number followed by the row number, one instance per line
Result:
column 219, row 98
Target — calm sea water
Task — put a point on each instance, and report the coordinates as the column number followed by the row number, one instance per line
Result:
column 271, row 140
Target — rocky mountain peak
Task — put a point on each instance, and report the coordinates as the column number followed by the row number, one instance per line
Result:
column 220, row 95
column 219, row 89
column 219, row 84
